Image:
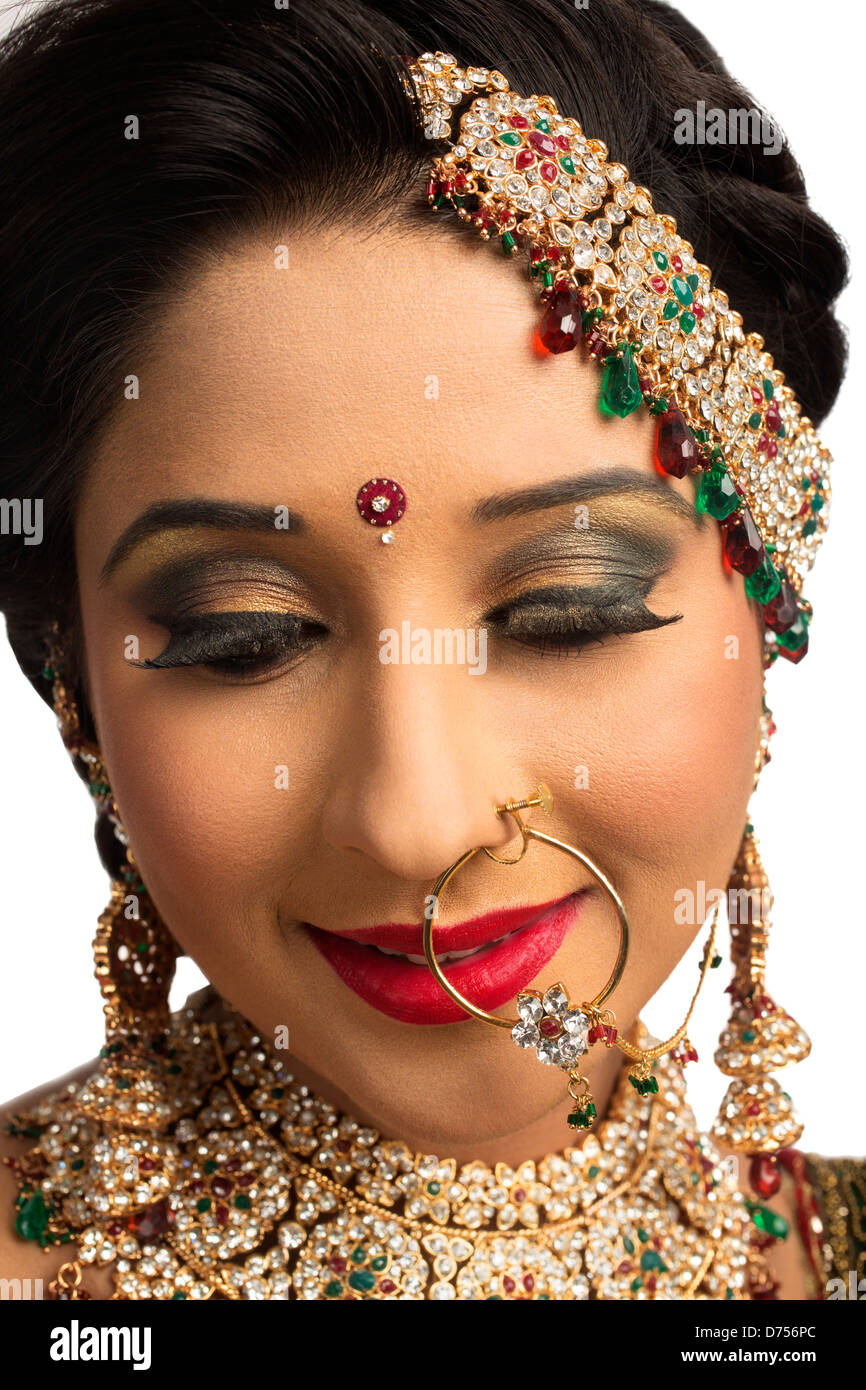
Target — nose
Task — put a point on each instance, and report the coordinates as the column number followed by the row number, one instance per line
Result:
column 421, row 770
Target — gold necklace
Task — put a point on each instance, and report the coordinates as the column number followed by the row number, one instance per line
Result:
column 197, row 1166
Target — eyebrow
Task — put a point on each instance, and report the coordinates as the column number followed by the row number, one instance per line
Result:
column 583, row 488
column 196, row 511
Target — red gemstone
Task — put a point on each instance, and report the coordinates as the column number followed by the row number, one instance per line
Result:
column 763, row 441
column 757, row 396
column 221, row 1187
column 222, row 1215
column 676, row 447
column 743, row 545
column 698, row 310
column 595, row 343
column 594, row 1033
column 782, row 613
column 624, row 1267
column 563, row 142
column 676, row 263
column 541, row 142
column 764, row 1175
column 773, row 419
column 115, row 1229
column 554, row 254
column 519, row 1194
column 232, row 1165
column 461, row 182
column 146, row 1164
column 519, row 122
column 387, row 1286
column 246, row 1179
column 550, row 1027
column 548, row 171
column 659, row 284
column 343, row 1145
column 508, row 1283
column 794, row 656
column 524, row 159
column 561, row 327
column 753, row 1109
column 772, row 449
column 152, row 1221
column 529, row 1282
column 337, row 1263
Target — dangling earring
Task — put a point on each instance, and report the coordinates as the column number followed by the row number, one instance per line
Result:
column 756, row 1116
column 134, row 951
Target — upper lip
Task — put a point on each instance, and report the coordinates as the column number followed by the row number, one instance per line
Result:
column 407, row 937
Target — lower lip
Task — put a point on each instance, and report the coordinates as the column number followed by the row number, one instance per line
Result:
column 411, row 994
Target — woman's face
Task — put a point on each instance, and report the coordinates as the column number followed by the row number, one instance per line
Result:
column 313, row 785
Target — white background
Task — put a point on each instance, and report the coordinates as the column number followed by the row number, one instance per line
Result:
column 798, row 61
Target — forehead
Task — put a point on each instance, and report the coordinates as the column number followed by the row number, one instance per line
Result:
column 348, row 355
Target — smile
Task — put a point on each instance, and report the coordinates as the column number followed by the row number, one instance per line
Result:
column 489, row 959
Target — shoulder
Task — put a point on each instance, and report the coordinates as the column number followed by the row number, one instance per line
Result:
column 19, row 1258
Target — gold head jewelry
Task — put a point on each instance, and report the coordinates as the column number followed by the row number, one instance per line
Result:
column 616, row 276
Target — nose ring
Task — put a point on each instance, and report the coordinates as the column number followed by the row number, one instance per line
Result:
column 542, row 797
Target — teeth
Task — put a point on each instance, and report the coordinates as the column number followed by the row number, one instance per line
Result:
column 446, row 956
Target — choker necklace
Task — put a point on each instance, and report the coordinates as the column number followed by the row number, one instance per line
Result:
column 198, row 1167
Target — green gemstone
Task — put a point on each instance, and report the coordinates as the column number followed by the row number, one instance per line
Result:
column 636, row 1284
column 203, row 1204
column 591, row 1111
column 507, row 242
column 210, row 1166
column 652, row 1085
column 682, row 291
column 77, row 1165
column 748, row 1035
column 651, row 1259
column 543, row 125
column 567, row 163
column 593, row 1171
column 687, row 322
column 768, row 388
column 334, row 1289
column 629, row 1244
column 715, row 962
column 817, row 502
column 660, row 259
column 176, row 1296
column 48, row 673
column 796, row 635
column 671, row 309
column 781, row 432
column 764, row 583
column 277, row 1092
column 717, row 495
column 509, row 137
column 242, row 1202
column 362, row 1280
column 692, row 281
column 642, row 1234
column 123, row 1083
column 574, row 1120
column 770, row 1222
column 433, row 1188
column 381, row 1262
column 755, row 420
column 32, row 1218
column 620, row 390
column 810, row 526
column 805, row 484
column 358, row 1254
column 634, row 1081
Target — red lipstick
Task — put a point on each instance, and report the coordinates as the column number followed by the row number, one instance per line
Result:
column 491, row 978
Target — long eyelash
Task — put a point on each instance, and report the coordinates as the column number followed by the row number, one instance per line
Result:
column 564, row 618
column 234, row 642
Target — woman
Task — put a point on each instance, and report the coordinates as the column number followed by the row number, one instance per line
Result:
column 247, row 353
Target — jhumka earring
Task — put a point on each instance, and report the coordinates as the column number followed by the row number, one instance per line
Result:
column 756, row 1116
column 133, row 950
column 561, row 1031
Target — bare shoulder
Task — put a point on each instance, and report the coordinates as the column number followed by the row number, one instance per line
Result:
column 23, row 1259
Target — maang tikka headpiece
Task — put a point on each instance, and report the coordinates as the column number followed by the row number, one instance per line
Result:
column 615, row 274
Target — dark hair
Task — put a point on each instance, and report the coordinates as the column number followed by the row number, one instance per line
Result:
column 257, row 118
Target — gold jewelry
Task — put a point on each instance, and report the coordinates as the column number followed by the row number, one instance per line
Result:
column 251, row 1186
column 616, row 277
column 756, row 1115
column 134, row 951
column 560, row 1032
